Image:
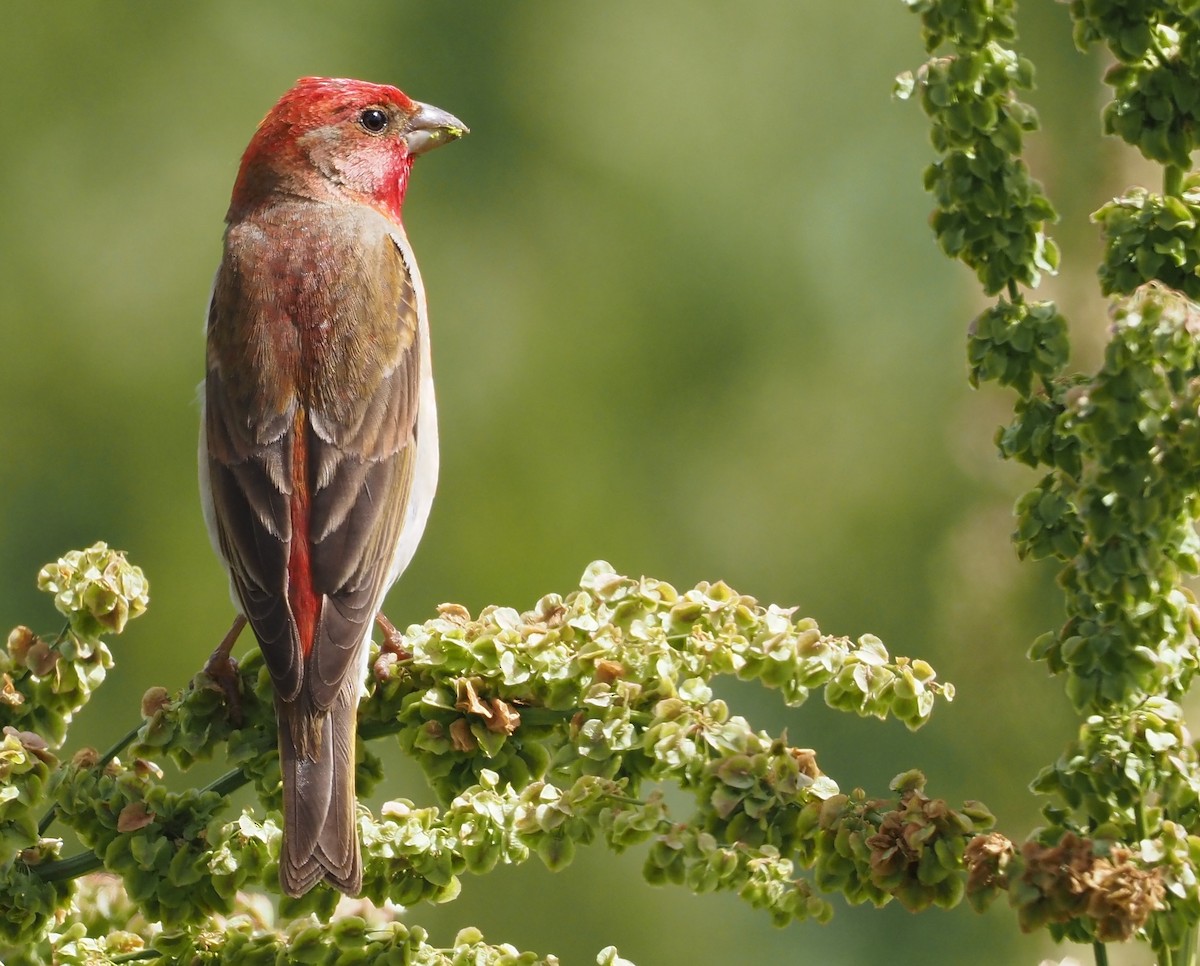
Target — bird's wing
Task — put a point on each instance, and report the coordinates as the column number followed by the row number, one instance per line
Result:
column 311, row 465
column 362, row 453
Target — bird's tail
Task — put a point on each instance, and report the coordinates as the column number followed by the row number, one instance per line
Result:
column 316, row 757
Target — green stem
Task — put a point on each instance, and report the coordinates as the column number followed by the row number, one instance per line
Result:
column 71, row 868
column 120, row 746
column 1187, row 948
column 139, row 955
column 1014, row 293
column 229, row 782
column 1100, row 952
column 378, row 729
column 48, row 819
column 1173, row 181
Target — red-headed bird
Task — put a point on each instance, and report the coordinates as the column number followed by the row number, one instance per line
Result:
column 319, row 451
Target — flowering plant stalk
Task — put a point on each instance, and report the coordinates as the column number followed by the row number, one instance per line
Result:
column 1116, row 504
column 539, row 731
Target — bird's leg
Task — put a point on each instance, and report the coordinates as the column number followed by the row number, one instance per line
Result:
column 222, row 669
column 393, row 640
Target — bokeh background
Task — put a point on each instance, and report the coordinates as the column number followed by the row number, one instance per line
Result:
column 688, row 317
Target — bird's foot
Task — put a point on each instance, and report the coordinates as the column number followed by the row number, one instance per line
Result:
column 393, row 640
column 391, row 651
column 222, row 669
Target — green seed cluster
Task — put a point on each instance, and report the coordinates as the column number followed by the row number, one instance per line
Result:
column 1016, row 343
column 613, row 680
column 417, row 853
column 75, row 947
column 611, row 685
column 1151, row 238
column 1119, row 449
column 1048, row 525
column 962, row 21
column 1081, row 889
column 413, row 854
column 1155, row 105
column 1173, row 856
column 156, row 840
column 1127, row 773
column 101, row 908
column 761, row 876
column 539, row 729
column 1033, row 438
column 909, row 848
column 251, row 934
column 1128, row 514
column 190, row 726
column 244, row 853
column 29, row 904
column 346, row 941
column 1128, row 27
column 990, row 212
column 25, row 770
column 96, row 589
column 44, row 682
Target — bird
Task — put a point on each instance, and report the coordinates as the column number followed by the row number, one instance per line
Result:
column 319, row 444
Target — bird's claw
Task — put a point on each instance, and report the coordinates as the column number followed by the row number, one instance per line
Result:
column 393, row 640
column 222, row 669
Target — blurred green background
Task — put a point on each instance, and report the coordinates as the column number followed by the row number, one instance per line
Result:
column 687, row 317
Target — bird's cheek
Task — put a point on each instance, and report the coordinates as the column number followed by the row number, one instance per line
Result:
column 326, row 153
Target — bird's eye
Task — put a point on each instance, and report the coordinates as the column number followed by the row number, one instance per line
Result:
column 373, row 120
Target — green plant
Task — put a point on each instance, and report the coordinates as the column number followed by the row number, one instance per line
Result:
column 1118, row 854
column 539, row 731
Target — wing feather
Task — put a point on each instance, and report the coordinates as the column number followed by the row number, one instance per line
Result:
column 358, row 516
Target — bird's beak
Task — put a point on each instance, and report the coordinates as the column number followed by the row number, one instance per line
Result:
column 430, row 127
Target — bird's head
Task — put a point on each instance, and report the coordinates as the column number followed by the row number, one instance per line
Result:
column 333, row 138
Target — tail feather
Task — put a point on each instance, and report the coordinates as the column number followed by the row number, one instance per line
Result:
column 320, row 840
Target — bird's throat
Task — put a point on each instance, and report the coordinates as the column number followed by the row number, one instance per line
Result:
column 391, row 198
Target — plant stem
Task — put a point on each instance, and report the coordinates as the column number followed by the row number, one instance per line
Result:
column 140, row 954
column 229, row 782
column 70, row 868
column 47, row 819
column 1187, row 948
column 120, row 746
column 1100, row 952
column 1173, row 181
